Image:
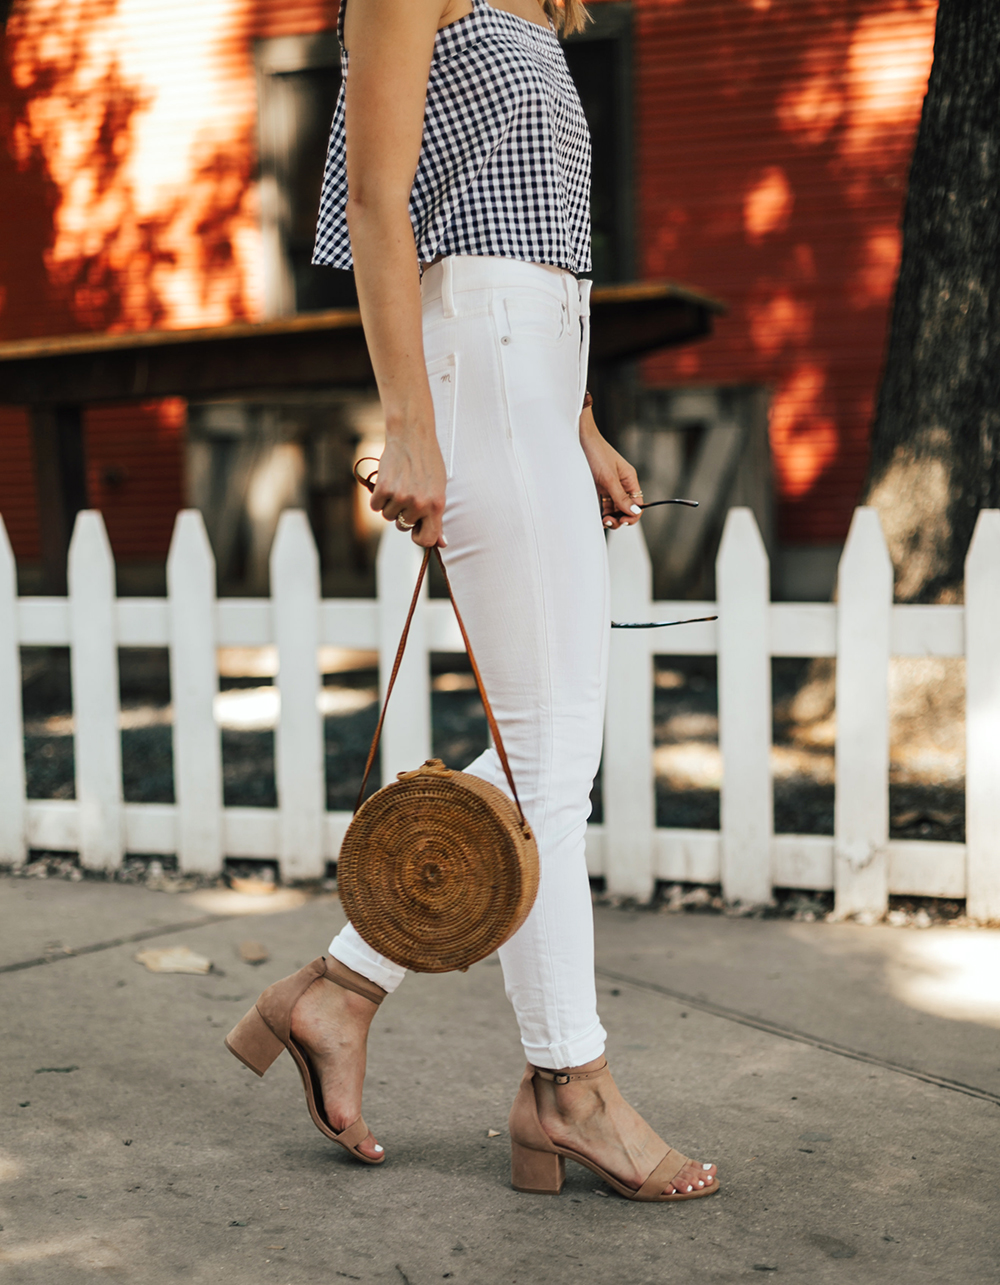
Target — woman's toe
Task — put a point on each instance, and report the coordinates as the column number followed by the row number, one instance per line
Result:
column 693, row 1177
column 370, row 1148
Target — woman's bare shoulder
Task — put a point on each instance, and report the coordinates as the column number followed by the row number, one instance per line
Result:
column 407, row 17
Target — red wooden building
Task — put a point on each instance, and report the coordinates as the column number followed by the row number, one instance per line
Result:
column 158, row 166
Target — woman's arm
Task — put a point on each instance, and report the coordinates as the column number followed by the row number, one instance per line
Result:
column 391, row 43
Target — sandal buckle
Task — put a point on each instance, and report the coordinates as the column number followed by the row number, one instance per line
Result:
column 561, row 1078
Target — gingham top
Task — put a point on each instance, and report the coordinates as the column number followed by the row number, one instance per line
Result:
column 504, row 168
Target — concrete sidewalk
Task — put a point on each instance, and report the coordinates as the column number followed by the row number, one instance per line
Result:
column 135, row 1148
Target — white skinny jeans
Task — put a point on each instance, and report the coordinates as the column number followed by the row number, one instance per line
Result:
column 506, row 345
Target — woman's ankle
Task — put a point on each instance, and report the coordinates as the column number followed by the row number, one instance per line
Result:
column 350, row 1002
column 326, row 1010
column 585, row 1068
column 572, row 1101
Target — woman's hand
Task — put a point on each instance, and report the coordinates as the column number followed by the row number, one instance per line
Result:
column 410, row 486
column 615, row 478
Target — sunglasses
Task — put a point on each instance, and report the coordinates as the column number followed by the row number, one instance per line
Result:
column 368, row 480
column 691, row 504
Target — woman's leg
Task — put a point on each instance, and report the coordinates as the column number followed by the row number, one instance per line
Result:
column 527, row 560
column 526, row 556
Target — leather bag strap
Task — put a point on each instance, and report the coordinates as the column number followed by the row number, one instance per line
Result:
column 494, row 729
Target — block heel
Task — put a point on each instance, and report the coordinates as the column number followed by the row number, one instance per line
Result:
column 267, row 1029
column 254, row 1043
column 540, row 1172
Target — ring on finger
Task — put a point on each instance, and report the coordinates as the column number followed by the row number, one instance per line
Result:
column 403, row 525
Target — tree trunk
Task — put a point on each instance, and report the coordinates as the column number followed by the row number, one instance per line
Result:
column 936, row 438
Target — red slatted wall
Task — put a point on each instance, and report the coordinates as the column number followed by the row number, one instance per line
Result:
column 774, row 143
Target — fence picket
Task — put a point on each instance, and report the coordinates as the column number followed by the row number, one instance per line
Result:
column 406, row 736
column 862, row 630
column 13, row 840
column 299, row 767
column 982, row 718
column 194, row 682
column 746, row 806
column 628, row 785
column 94, row 675
column 861, row 802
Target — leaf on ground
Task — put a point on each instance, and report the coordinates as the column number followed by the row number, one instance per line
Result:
column 174, row 959
column 253, row 952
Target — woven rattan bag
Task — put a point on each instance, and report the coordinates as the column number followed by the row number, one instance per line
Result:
column 438, row 868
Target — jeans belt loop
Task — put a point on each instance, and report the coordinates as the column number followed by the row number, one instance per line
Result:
column 448, row 287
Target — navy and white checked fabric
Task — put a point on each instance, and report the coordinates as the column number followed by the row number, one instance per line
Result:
column 504, row 169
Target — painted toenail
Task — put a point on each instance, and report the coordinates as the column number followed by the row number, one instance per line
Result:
column 706, row 1166
column 378, row 1147
column 689, row 1187
column 700, row 1183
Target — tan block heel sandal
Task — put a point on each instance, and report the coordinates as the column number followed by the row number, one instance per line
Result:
column 260, row 1036
column 538, row 1165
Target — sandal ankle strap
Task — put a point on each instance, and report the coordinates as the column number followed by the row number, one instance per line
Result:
column 346, row 977
column 567, row 1077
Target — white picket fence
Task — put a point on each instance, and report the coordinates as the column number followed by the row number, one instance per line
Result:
column 862, row 630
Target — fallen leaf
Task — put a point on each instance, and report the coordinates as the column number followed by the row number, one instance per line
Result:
column 175, row 959
column 274, row 1247
column 493, row 1133
column 254, row 952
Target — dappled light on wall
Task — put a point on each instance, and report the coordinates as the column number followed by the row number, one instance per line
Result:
column 148, row 154
column 885, row 75
column 767, row 205
column 779, row 320
column 804, row 438
column 874, row 279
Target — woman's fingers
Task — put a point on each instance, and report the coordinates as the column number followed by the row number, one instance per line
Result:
column 411, row 483
column 630, row 496
column 626, row 503
column 609, row 513
column 423, row 515
column 427, row 533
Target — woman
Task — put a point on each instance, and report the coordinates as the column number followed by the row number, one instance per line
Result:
column 463, row 147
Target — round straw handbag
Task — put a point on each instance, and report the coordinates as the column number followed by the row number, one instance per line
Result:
column 438, row 868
